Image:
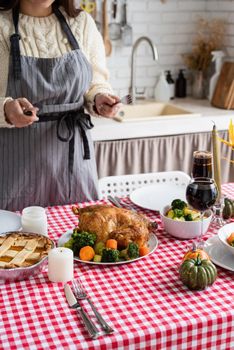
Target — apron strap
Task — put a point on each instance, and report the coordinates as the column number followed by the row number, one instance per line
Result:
column 72, row 119
column 66, row 29
column 15, row 38
column 15, row 48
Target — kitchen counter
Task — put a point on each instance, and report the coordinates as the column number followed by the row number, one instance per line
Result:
column 162, row 144
column 107, row 129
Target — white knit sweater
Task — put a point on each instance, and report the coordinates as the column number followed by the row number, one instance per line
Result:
column 43, row 37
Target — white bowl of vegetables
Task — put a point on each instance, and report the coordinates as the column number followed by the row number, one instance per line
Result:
column 183, row 222
column 226, row 236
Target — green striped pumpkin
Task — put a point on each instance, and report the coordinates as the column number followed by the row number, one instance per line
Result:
column 197, row 274
column 228, row 210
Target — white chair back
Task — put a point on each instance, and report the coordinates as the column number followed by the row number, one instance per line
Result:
column 123, row 185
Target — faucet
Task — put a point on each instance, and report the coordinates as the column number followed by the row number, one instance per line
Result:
column 132, row 91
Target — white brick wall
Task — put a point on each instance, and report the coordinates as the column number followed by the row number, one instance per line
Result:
column 171, row 25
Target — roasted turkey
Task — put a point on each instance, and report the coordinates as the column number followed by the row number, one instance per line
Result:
column 110, row 222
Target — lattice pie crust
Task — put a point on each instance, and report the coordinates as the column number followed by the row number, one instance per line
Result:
column 22, row 250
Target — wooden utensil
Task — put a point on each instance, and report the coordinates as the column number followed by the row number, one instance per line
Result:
column 106, row 39
column 230, row 103
column 224, row 92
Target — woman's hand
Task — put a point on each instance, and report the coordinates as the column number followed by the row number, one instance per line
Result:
column 14, row 112
column 107, row 105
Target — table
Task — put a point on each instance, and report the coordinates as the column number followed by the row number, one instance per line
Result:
column 144, row 301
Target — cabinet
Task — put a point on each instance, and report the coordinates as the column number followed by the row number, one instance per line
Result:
column 158, row 153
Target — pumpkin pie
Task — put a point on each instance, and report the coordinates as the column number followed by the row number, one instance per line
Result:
column 22, row 250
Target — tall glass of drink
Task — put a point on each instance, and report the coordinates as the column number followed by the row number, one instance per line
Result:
column 202, row 164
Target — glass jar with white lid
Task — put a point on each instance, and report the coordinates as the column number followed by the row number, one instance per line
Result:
column 34, row 220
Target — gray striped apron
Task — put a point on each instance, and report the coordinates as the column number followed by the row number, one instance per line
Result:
column 51, row 162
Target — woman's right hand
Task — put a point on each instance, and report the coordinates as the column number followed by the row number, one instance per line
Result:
column 14, row 112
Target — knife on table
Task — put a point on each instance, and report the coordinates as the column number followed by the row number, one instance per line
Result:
column 74, row 304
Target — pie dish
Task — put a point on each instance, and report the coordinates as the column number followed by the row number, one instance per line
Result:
column 22, row 254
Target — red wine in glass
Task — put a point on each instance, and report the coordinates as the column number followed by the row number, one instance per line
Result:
column 201, row 194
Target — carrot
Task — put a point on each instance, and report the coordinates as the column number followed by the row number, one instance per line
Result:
column 230, row 239
column 86, row 253
column 144, row 250
column 111, row 243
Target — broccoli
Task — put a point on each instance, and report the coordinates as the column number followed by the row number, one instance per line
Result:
column 110, row 255
column 69, row 244
column 188, row 217
column 131, row 252
column 98, row 247
column 178, row 213
column 178, row 204
column 82, row 239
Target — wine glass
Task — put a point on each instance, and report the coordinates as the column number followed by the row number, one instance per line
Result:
column 201, row 194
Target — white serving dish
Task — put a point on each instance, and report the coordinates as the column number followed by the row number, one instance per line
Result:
column 185, row 229
column 223, row 233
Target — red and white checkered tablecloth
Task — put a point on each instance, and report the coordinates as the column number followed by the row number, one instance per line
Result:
column 144, row 301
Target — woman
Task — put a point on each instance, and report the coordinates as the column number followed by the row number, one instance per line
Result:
column 52, row 66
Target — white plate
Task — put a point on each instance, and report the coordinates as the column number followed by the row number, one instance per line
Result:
column 153, row 243
column 9, row 221
column 219, row 254
column 156, row 197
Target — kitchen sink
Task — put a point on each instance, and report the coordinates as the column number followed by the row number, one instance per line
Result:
column 150, row 111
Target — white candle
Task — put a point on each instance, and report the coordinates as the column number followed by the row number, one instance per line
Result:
column 216, row 161
column 60, row 264
column 34, row 220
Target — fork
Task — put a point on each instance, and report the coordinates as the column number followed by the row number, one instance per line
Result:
column 82, row 295
column 126, row 100
column 118, row 203
column 125, row 205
